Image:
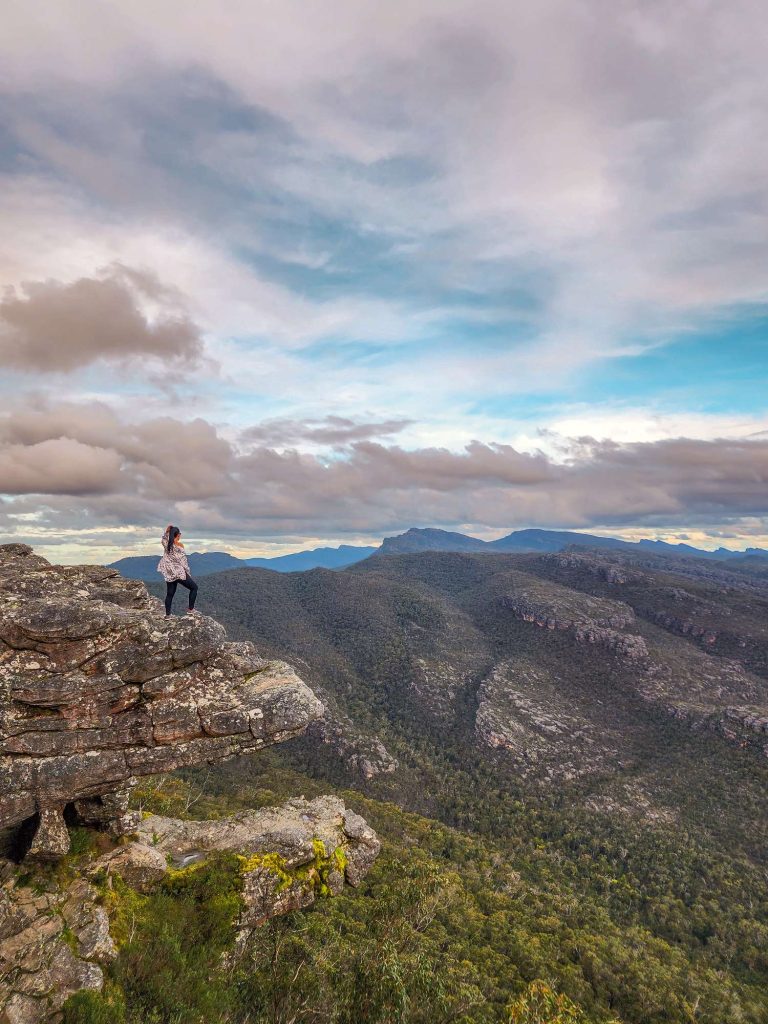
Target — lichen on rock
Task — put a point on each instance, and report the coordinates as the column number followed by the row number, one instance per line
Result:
column 290, row 854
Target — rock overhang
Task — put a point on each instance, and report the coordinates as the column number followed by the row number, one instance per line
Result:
column 97, row 688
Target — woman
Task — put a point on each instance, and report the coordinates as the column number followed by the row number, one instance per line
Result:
column 175, row 569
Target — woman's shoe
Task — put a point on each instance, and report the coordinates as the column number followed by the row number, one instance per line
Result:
column 192, row 611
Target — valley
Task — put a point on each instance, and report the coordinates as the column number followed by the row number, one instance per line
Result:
column 594, row 720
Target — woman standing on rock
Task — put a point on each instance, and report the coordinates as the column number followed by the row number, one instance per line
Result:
column 175, row 569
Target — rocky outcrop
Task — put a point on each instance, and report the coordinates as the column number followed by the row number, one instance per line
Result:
column 553, row 615
column 291, row 854
column 139, row 865
column 362, row 754
column 55, row 938
column 744, row 726
column 97, row 688
column 522, row 710
column 627, row 645
column 52, row 943
column 682, row 626
column 599, row 622
column 601, row 567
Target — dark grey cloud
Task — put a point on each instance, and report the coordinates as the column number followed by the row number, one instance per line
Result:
column 59, row 466
column 72, row 463
column 331, row 430
column 50, row 326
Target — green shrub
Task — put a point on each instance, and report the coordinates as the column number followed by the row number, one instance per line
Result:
column 88, row 1007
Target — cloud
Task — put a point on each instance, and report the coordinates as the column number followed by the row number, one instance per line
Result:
column 332, row 430
column 160, row 458
column 59, row 466
column 579, row 145
column 49, row 326
column 139, row 474
column 422, row 223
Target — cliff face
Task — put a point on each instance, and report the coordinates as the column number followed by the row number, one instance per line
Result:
column 97, row 688
column 54, row 940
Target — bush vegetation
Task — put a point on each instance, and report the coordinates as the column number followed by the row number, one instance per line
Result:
column 499, row 897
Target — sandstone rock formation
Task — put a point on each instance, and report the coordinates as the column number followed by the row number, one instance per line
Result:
column 97, row 687
column 52, row 943
column 593, row 564
column 291, row 853
column 54, row 939
column 589, row 620
column 362, row 754
column 547, row 730
column 554, row 614
column 139, row 865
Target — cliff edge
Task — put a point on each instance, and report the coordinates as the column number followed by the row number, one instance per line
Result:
column 98, row 688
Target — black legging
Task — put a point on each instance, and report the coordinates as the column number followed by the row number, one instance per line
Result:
column 170, row 590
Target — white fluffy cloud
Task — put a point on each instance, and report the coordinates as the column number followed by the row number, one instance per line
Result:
column 367, row 222
column 614, row 147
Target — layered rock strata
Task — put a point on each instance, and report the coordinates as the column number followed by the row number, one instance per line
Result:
column 603, row 630
column 686, row 683
column 97, row 688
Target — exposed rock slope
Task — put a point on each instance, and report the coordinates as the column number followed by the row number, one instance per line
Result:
column 565, row 664
column 96, row 688
column 53, row 941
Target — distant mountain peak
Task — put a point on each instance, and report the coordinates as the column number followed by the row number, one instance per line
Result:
column 429, row 539
column 144, row 567
column 423, row 538
column 536, row 539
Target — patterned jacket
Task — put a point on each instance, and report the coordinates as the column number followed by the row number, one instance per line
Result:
column 173, row 565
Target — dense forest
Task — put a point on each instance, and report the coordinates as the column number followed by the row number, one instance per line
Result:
column 449, row 926
column 631, row 887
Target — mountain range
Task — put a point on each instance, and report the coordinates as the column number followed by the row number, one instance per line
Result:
column 144, row 567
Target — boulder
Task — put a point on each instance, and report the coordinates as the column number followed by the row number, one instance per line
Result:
column 139, row 865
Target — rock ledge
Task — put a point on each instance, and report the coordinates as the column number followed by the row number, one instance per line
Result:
column 97, row 688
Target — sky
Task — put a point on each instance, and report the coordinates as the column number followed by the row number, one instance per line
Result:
column 298, row 273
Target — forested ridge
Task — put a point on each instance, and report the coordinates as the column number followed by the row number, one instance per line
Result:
column 633, row 889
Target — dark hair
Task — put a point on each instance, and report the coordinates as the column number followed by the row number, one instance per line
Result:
column 173, row 533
